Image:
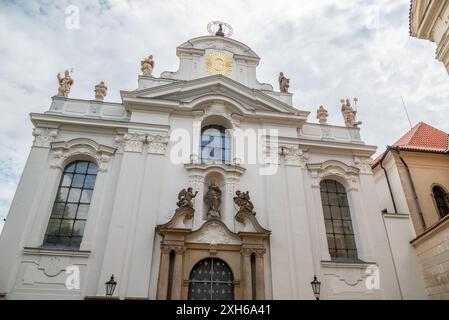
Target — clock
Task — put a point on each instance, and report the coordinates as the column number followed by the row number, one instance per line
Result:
column 218, row 63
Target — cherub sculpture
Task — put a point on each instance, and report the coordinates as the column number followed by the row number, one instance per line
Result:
column 243, row 200
column 185, row 198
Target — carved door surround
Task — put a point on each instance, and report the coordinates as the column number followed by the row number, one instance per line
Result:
column 241, row 251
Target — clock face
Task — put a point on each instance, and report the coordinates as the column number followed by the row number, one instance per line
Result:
column 218, row 63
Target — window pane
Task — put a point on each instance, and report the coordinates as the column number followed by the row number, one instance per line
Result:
column 86, row 196
column 338, row 226
column 342, row 254
column 76, row 242
column 330, row 241
column 340, row 241
column 331, row 187
column 342, row 200
column 347, row 227
column 89, row 183
column 92, row 168
column 227, row 156
column 350, row 242
column 66, row 227
column 217, row 154
column 51, row 240
column 78, row 181
column 53, row 226
column 327, row 212
column 352, row 254
column 324, row 198
column 340, row 188
column 78, row 228
column 58, row 210
column 64, row 241
column 83, row 209
column 81, row 167
column 62, row 194
column 66, row 179
column 335, row 213
column 328, row 224
column 74, row 195
column 70, row 167
column 333, row 199
column 70, row 210
column 345, row 213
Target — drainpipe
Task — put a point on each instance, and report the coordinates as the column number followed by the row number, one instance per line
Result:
column 388, row 180
column 415, row 196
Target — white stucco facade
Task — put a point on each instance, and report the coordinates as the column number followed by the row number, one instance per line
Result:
column 137, row 186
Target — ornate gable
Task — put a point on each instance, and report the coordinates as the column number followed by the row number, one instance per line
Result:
column 187, row 96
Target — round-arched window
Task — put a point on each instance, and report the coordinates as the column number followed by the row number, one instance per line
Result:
column 441, row 201
column 215, row 145
column 337, row 219
column 68, row 217
column 211, row 279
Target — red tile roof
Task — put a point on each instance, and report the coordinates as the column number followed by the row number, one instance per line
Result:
column 421, row 137
column 424, row 137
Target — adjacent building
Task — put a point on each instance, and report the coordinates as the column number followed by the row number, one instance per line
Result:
column 429, row 19
column 412, row 180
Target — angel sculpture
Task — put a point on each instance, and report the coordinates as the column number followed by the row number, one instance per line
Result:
column 242, row 199
column 185, row 198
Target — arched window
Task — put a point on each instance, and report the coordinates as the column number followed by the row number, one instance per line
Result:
column 215, row 145
column 69, row 214
column 211, row 279
column 441, row 201
column 337, row 218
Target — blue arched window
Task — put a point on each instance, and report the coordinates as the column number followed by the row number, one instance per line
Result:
column 68, row 217
column 215, row 145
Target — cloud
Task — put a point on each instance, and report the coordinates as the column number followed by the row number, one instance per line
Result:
column 329, row 49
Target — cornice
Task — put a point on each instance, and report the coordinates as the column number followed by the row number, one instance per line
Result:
column 55, row 252
column 56, row 121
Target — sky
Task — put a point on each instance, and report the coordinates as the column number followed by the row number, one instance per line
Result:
column 329, row 49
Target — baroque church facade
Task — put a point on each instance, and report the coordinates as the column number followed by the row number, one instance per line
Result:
column 108, row 189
